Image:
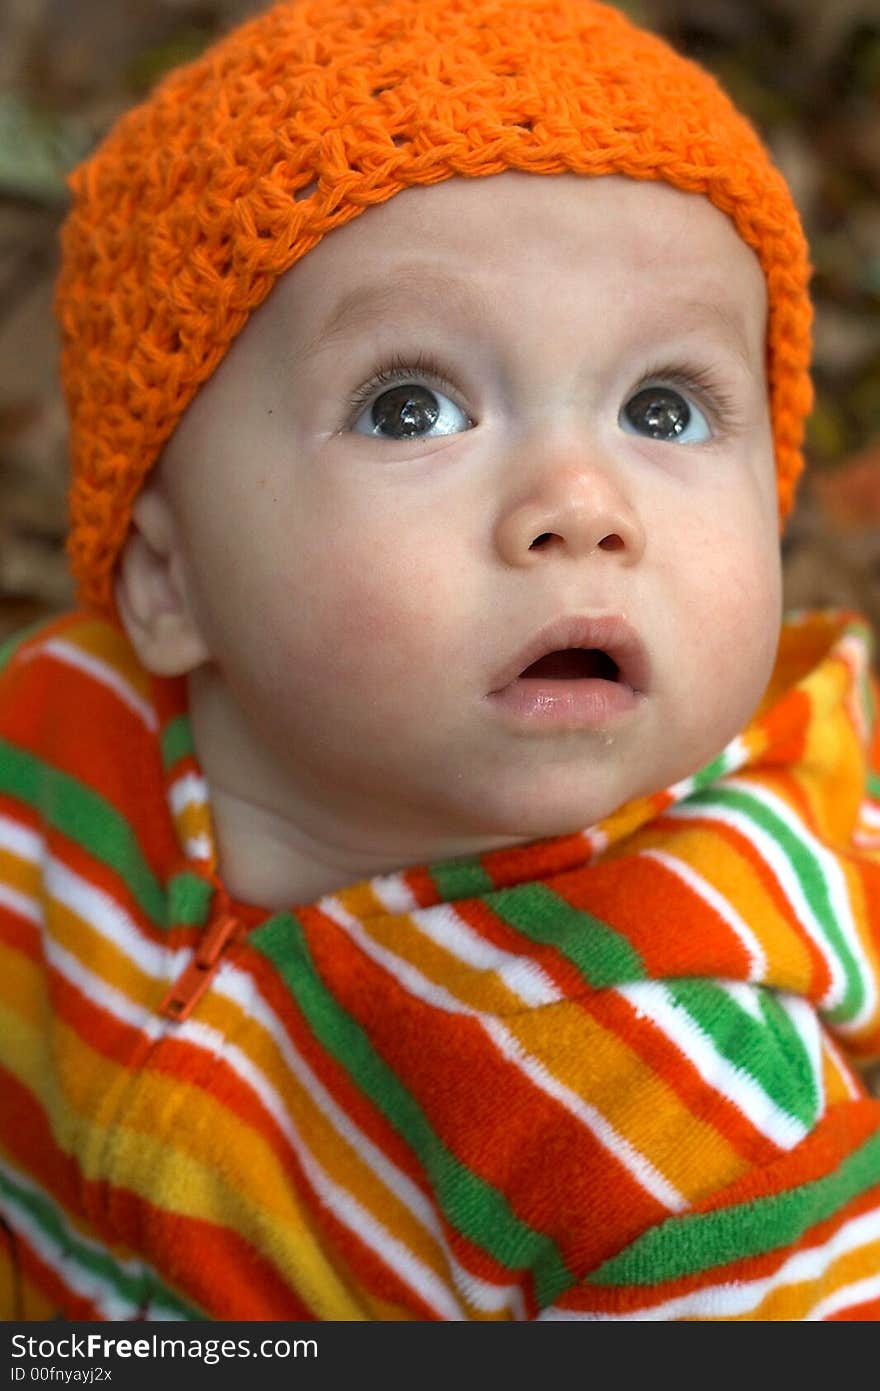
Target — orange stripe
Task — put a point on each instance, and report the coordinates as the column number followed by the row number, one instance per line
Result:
column 46, row 1294
column 487, row 1111
column 819, row 978
column 362, row 1111
column 624, row 1299
column 90, row 756
column 680, row 1074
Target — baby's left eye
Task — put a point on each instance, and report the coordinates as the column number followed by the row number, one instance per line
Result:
column 662, row 413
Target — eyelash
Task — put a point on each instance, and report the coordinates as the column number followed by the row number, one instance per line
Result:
column 700, row 381
column 403, row 369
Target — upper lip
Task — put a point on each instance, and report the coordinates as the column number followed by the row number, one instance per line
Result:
column 609, row 632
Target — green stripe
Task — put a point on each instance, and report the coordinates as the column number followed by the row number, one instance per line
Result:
column 10, row 646
column 874, row 785
column 714, row 770
column 696, row 1242
column 771, row 1053
column 601, row 955
column 176, row 741
column 472, row 1205
column 142, row 1289
column 462, row 878
column 809, row 873
column 189, row 900
column 85, row 817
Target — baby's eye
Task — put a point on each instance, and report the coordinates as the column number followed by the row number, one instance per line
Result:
column 662, row 413
column 410, row 410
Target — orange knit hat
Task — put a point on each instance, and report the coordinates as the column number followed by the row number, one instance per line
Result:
column 239, row 163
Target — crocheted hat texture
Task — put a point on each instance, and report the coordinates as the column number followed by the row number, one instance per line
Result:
column 293, row 124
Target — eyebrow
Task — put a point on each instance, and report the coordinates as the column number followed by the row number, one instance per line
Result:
column 359, row 306
column 731, row 322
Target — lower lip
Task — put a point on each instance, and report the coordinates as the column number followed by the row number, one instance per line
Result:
column 587, row 703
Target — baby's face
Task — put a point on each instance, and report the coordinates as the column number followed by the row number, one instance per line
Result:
column 477, row 409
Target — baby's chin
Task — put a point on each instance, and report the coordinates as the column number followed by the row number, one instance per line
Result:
column 570, row 801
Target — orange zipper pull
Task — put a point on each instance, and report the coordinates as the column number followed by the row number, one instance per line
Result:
column 183, row 997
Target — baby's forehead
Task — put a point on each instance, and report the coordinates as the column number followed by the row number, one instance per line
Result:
column 469, row 245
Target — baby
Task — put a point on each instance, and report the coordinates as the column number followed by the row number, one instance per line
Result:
column 435, row 881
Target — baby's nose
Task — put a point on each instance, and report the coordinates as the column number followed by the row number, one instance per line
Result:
column 574, row 509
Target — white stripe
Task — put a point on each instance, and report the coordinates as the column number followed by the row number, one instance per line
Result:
column 21, row 841
column 731, row 757
column 710, row 895
column 652, row 998
column 85, row 1282
column 412, row 980
column 522, row 976
column 838, row 895
column 636, row 1163
column 779, row 864
column 190, row 789
column 869, row 812
column 849, row 1297
column 745, row 997
column 341, row 1202
column 21, row 904
column 597, row 840
column 198, row 847
column 346, row 1207
column 95, row 907
column 105, row 675
column 238, row 987
column 843, row 1067
column 393, row 892
column 107, row 918
column 734, row 1300
column 99, row 992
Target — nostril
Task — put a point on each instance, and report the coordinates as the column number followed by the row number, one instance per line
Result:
column 541, row 541
column 611, row 543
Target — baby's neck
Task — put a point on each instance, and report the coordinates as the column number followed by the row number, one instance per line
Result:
column 279, row 845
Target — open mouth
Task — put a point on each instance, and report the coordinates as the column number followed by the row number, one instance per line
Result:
column 572, row 664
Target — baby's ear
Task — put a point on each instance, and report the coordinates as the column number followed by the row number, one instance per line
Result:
column 151, row 593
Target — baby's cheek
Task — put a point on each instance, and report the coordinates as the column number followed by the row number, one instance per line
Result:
column 374, row 626
column 740, row 632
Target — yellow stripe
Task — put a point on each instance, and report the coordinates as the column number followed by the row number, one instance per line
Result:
column 21, row 875
column 794, row 1303
column 181, row 1169
column 241, row 1186
column 105, row 642
column 193, row 822
column 834, row 1083
column 831, row 772
column 20, row 1299
column 360, row 901
column 339, row 1160
column 599, row 1067
column 474, row 986
column 590, row 1060
column 734, row 877
column 855, row 888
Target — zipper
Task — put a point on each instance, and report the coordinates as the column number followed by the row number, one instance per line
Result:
column 199, row 973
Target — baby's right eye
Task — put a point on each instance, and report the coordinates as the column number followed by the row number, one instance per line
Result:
column 411, row 411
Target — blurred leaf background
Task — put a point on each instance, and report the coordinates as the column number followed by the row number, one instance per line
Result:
column 806, row 71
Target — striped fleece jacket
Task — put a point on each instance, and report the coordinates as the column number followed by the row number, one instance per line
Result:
column 610, row 1075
